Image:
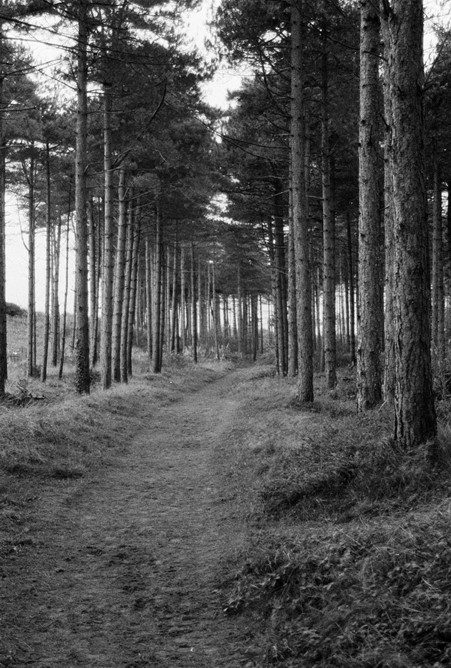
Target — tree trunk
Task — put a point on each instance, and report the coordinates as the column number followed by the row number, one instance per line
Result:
column 93, row 284
column 330, row 347
column 193, row 306
column 82, row 374
column 119, row 279
column 108, row 248
column 148, row 256
column 438, row 295
column 281, row 280
column 174, row 301
column 300, row 212
column 66, row 293
column 369, row 372
column 31, row 320
column 389, row 240
column 3, row 342
column 415, row 418
column 182, row 299
column 133, row 292
column 156, row 293
column 55, row 290
column 48, row 243
column 126, row 296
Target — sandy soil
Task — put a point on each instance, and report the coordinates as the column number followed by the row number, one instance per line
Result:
column 121, row 567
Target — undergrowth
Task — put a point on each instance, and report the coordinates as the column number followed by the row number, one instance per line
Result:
column 350, row 559
column 63, row 439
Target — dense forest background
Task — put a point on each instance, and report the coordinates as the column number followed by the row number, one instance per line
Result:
column 310, row 219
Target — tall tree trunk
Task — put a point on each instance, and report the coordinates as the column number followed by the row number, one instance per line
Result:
column 93, row 283
column 3, row 346
column 133, row 292
column 239, row 312
column 415, row 418
column 438, row 296
column 193, row 306
column 330, row 348
column 82, row 374
column 389, row 240
column 291, row 303
column 182, row 299
column 31, row 319
column 281, row 276
column 156, row 293
column 126, row 296
column 148, row 251
column 174, row 301
column 351, row 286
column 300, row 211
column 48, row 252
column 55, row 292
column 215, row 311
column 369, row 372
column 108, row 248
column 119, row 279
column 66, row 294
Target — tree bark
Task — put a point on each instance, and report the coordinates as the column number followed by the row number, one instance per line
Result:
column 148, row 251
column 300, row 212
column 133, row 293
column 415, row 418
column 48, row 250
column 156, row 292
column 119, row 279
column 369, row 372
column 82, row 373
column 31, row 319
column 66, row 293
column 3, row 332
column 193, row 306
column 438, row 294
column 330, row 346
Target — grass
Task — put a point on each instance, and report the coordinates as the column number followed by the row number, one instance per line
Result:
column 349, row 559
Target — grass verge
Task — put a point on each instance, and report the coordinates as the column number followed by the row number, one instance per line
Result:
column 349, row 560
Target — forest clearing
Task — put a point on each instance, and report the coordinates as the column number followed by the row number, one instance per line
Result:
column 225, row 333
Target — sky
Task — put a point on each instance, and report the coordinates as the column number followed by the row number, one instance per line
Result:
column 226, row 79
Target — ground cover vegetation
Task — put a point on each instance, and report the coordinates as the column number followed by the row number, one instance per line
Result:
column 309, row 225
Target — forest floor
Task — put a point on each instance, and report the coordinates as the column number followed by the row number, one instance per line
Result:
column 202, row 518
column 121, row 567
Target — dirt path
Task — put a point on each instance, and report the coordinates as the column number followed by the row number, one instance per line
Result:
column 121, row 568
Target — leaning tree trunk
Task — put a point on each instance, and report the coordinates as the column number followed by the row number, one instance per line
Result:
column 82, row 374
column 415, row 418
column 300, row 212
column 369, row 372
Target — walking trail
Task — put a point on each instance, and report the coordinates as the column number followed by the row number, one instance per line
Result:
column 122, row 567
